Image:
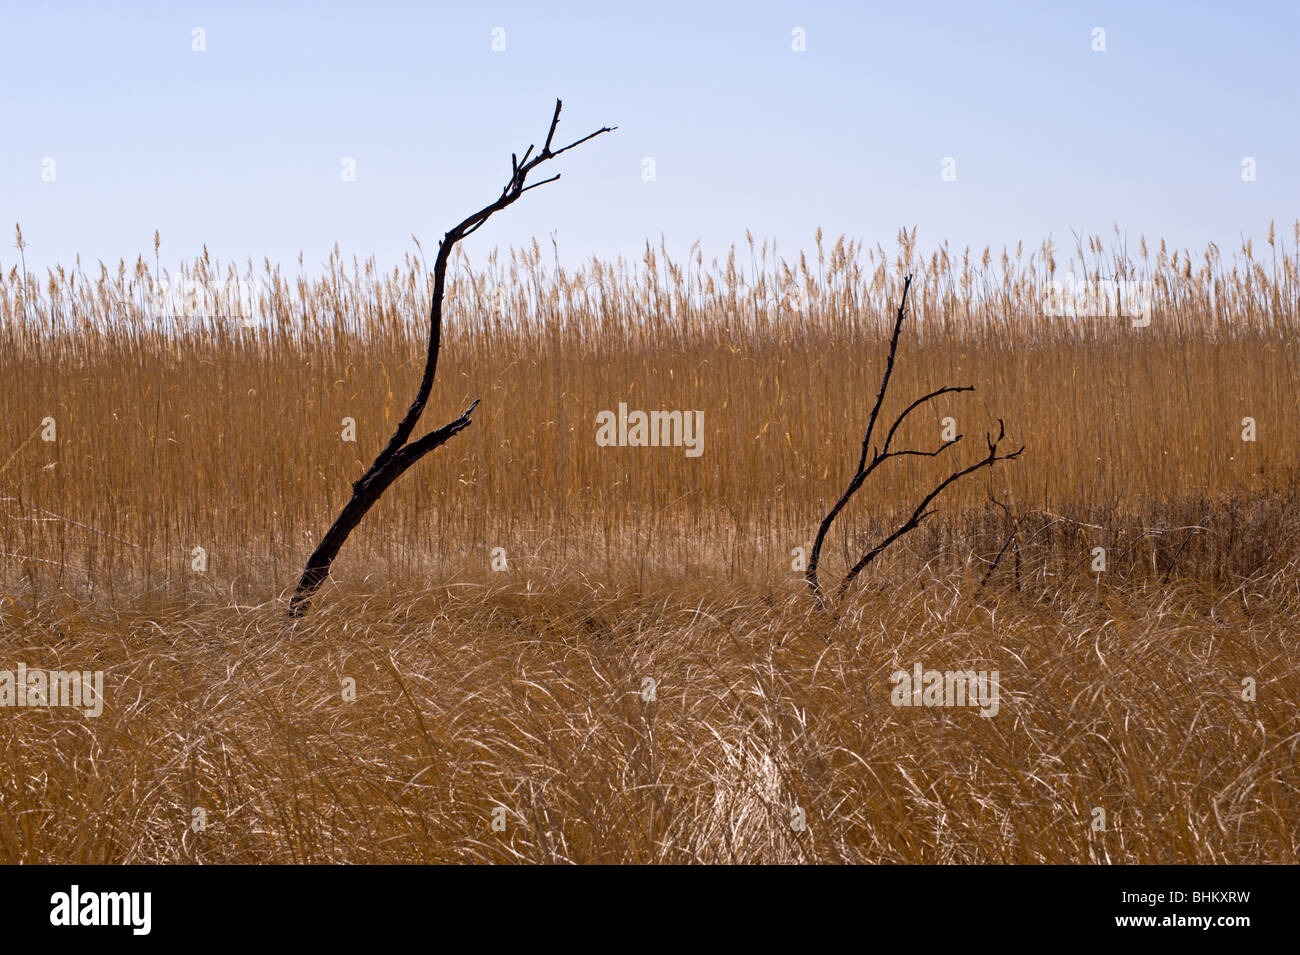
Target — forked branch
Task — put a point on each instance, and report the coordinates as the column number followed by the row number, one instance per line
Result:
column 400, row 452
column 871, row 458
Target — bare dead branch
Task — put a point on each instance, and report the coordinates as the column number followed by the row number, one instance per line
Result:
column 920, row 513
column 946, row 390
column 870, row 459
column 884, row 379
column 397, row 455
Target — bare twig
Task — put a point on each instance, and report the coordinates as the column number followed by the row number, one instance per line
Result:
column 921, row 513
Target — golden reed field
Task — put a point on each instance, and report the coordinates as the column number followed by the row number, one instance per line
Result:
column 540, row 649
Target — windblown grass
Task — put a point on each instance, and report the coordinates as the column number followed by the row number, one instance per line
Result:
column 485, row 696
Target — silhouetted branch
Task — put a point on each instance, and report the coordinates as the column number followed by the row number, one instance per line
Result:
column 870, row 459
column 397, row 454
column 913, row 522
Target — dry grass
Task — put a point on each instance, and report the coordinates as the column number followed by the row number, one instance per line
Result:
column 480, row 696
column 522, row 690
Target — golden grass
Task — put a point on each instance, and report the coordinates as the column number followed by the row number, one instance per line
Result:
column 522, row 689
column 482, row 695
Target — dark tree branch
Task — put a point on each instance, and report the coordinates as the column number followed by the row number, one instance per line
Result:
column 921, row 454
column 918, row 515
column 884, row 379
column 946, row 390
column 871, row 459
column 434, row 439
column 397, row 454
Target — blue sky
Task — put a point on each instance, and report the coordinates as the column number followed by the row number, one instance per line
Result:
column 241, row 146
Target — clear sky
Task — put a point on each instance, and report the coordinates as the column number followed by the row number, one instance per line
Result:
column 242, row 146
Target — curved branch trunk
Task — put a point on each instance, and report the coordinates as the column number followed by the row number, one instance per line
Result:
column 397, row 454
